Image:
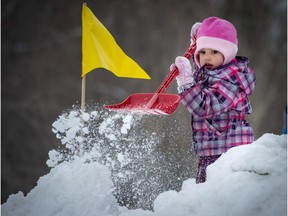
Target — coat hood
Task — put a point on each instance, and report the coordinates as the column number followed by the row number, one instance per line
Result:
column 243, row 76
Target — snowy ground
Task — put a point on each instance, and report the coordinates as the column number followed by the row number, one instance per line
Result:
column 247, row 180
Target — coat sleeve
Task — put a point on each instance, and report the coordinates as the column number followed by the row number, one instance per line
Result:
column 210, row 99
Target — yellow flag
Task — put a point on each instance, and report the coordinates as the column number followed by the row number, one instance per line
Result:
column 100, row 50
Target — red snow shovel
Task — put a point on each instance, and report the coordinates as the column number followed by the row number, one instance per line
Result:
column 157, row 103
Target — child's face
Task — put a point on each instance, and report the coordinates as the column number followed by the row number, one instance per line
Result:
column 211, row 59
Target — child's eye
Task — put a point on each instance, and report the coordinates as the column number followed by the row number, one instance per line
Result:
column 215, row 52
column 202, row 52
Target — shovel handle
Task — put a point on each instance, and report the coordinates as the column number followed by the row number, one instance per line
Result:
column 172, row 75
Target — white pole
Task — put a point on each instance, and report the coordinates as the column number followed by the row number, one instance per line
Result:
column 83, row 96
column 83, row 93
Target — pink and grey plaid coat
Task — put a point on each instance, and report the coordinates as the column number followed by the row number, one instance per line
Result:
column 218, row 102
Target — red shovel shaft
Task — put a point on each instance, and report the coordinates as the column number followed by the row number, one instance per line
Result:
column 157, row 103
column 169, row 79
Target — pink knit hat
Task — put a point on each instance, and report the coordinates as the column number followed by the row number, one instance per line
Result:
column 217, row 34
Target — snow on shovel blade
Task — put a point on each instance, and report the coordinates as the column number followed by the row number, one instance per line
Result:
column 147, row 103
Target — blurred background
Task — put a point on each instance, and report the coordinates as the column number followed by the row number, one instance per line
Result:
column 41, row 67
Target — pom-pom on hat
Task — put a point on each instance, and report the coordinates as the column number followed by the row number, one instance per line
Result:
column 217, row 34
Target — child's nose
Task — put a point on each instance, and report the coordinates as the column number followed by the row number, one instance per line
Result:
column 207, row 57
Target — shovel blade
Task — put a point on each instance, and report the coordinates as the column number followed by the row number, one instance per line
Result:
column 165, row 104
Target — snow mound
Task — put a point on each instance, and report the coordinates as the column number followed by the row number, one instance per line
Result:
column 71, row 188
column 247, row 180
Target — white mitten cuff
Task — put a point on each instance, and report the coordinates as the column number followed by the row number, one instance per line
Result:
column 183, row 88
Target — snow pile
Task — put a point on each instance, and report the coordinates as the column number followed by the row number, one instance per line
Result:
column 104, row 157
column 74, row 188
column 248, row 180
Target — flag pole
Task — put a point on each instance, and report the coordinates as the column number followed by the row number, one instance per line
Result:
column 83, row 93
column 83, row 88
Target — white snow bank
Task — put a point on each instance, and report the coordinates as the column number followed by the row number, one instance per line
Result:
column 247, row 180
column 74, row 188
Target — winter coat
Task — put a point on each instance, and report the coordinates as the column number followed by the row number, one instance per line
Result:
column 218, row 102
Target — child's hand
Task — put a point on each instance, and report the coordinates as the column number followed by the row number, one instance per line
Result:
column 185, row 71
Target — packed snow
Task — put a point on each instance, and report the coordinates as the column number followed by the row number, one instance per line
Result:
column 101, row 150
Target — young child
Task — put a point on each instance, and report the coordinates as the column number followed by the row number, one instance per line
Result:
column 216, row 91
